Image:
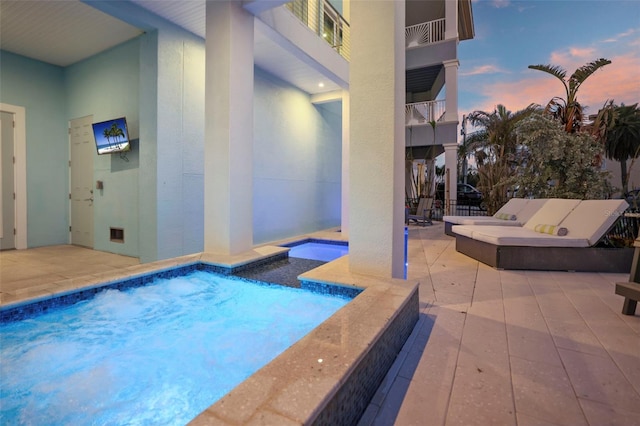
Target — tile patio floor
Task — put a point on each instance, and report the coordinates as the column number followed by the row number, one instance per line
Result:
column 490, row 348
column 510, row 347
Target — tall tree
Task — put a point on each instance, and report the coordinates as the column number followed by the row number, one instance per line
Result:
column 558, row 164
column 568, row 110
column 618, row 127
column 116, row 132
column 496, row 149
column 464, row 151
column 107, row 134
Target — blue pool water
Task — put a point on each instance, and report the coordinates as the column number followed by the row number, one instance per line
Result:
column 158, row 354
column 319, row 251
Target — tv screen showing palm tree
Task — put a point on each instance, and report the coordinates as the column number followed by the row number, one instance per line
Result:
column 111, row 136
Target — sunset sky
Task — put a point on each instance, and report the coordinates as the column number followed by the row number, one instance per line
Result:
column 512, row 34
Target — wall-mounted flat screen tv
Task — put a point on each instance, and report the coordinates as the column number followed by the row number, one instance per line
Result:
column 112, row 136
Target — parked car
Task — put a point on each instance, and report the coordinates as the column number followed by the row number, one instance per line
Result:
column 467, row 195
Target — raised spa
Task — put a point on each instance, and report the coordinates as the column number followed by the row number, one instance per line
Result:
column 158, row 353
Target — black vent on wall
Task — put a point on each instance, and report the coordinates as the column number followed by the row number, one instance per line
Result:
column 116, row 235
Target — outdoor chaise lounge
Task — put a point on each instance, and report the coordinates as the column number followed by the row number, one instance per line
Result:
column 516, row 212
column 561, row 235
column 423, row 213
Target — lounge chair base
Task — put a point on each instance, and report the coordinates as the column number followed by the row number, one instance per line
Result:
column 447, row 229
column 631, row 293
column 579, row 259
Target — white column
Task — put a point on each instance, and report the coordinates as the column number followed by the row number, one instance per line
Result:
column 451, row 164
column 451, row 80
column 376, row 159
column 451, row 19
column 344, row 214
column 228, row 174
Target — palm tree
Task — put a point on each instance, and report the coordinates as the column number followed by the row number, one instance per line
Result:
column 569, row 110
column 464, row 151
column 107, row 134
column 116, row 132
column 618, row 127
column 496, row 148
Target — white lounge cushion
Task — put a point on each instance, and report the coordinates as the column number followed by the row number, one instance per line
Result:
column 522, row 208
column 517, row 236
column 468, row 220
column 552, row 213
column 591, row 219
column 530, row 208
column 512, row 207
column 464, row 230
column 482, row 220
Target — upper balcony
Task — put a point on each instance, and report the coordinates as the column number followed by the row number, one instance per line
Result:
column 425, row 33
column 427, row 22
column 324, row 20
column 419, row 12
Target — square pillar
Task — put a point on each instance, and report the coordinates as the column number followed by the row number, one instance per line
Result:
column 451, row 79
column 377, row 130
column 451, row 19
column 344, row 213
column 228, row 150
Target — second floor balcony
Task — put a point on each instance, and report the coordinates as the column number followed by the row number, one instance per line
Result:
column 425, row 33
column 323, row 19
column 421, row 113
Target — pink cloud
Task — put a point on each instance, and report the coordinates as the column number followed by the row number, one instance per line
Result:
column 617, row 37
column 498, row 4
column 617, row 81
column 573, row 57
column 483, row 69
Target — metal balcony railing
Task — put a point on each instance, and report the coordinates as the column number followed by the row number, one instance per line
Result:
column 324, row 20
column 425, row 33
column 424, row 112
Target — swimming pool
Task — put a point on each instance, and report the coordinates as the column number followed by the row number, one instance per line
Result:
column 318, row 249
column 328, row 377
column 146, row 354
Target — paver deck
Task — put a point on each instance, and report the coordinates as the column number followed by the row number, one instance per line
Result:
column 495, row 347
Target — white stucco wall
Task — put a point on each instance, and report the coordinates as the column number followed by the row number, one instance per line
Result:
column 297, row 161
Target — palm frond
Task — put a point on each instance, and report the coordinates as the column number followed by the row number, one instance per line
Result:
column 554, row 70
column 582, row 73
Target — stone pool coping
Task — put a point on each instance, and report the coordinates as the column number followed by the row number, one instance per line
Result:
column 71, row 285
column 330, row 375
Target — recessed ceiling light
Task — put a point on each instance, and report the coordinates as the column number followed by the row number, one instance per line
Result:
column 321, row 84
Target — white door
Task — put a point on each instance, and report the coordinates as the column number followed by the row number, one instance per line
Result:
column 82, row 150
column 7, row 202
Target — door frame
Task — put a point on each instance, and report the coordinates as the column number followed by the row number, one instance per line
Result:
column 20, row 171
